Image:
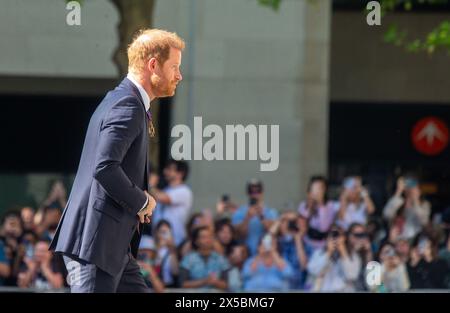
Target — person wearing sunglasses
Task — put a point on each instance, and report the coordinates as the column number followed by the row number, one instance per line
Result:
column 359, row 247
column 252, row 221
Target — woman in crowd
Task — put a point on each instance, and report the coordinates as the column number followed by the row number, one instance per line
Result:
column 318, row 214
column 393, row 271
column 225, row 235
column 43, row 271
column 359, row 247
column 197, row 220
column 406, row 210
column 425, row 270
column 332, row 268
column 355, row 205
column 237, row 257
column 166, row 259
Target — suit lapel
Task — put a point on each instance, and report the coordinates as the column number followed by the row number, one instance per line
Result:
column 129, row 84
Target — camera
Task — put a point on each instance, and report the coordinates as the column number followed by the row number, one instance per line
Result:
column 334, row 233
column 225, row 198
column 252, row 202
column 292, row 226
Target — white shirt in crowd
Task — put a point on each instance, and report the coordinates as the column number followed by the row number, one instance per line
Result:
column 395, row 280
column 176, row 213
column 354, row 213
column 328, row 275
column 416, row 216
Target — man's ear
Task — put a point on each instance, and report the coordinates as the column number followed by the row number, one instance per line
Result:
column 151, row 65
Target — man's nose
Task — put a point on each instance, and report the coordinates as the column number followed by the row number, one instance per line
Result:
column 179, row 76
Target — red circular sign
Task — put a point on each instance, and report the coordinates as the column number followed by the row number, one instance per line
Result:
column 430, row 135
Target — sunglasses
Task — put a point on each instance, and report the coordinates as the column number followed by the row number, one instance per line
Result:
column 360, row 235
column 254, row 190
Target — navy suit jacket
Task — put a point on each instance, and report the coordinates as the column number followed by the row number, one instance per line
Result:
column 99, row 223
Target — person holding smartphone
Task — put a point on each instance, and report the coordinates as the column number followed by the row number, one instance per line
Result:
column 290, row 234
column 355, row 205
column 268, row 270
column 225, row 207
column 166, row 259
column 252, row 221
column 406, row 210
column 425, row 269
column 332, row 268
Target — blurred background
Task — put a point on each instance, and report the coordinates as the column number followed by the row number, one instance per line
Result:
column 352, row 100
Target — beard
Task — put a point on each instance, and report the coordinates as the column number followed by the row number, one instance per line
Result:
column 163, row 87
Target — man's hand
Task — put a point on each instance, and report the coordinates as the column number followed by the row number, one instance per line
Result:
column 145, row 214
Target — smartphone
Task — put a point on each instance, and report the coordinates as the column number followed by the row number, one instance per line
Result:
column 29, row 251
column 292, row 226
column 252, row 202
column 350, row 183
column 335, row 233
column 422, row 246
column 225, row 198
column 267, row 242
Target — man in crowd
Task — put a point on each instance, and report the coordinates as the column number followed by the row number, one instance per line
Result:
column 174, row 201
column 252, row 221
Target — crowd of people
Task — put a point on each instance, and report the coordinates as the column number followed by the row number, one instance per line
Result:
column 325, row 245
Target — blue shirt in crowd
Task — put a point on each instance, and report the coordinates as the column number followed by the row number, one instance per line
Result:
column 255, row 227
column 288, row 251
column 266, row 278
column 200, row 267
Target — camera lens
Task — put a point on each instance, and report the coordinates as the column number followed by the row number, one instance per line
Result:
column 334, row 233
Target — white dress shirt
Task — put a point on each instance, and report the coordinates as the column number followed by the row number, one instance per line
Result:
column 146, row 100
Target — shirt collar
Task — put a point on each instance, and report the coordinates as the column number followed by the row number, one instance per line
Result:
column 142, row 92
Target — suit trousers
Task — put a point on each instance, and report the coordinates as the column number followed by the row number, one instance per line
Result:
column 85, row 277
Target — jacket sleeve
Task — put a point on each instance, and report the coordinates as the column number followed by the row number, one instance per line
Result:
column 119, row 129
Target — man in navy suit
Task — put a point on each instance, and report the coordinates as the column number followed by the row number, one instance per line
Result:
column 101, row 226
